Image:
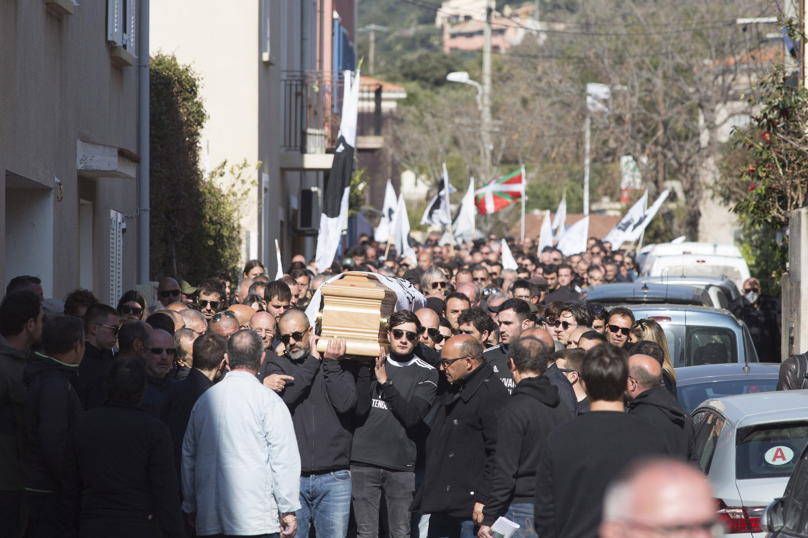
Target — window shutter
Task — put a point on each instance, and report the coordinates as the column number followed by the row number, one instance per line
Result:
column 115, row 256
column 131, row 27
column 115, row 21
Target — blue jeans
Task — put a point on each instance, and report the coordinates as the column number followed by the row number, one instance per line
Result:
column 444, row 526
column 325, row 501
column 522, row 515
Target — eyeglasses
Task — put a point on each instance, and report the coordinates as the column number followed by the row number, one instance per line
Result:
column 436, row 285
column 565, row 370
column 213, row 304
column 218, row 317
column 448, row 362
column 747, row 290
column 114, row 328
column 135, row 310
column 554, row 323
column 296, row 336
column 435, row 335
column 169, row 293
column 479, row 279
column 159, row 350
column 398, row 333
column 615, row 329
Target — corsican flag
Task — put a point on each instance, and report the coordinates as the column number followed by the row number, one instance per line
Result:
column 508, row 261
column 500, row 193
column 401, row 232
column 335, row 200
column 574, row 239
column 388, row 214
column 617, row 236
column 437, row 212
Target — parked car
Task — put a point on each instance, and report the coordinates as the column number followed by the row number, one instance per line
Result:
column 747, row 446
column 787, row 516
column 697, row 384
column 721, row 289
column 646, row 293
column 700, row 335
column 696, row 265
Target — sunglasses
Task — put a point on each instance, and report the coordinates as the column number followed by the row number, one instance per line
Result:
column 436, row 285
column 159, row 350
column 296, row 336
column 747, row 290
column 435, row 335
column 398, row 333
column 554, row 323
column 204, row 304
column 615, row 329
column 479, row 279
column 114, row 329
column 135, row 310
column 448, row 362
column 169, row 293
column 218, row 317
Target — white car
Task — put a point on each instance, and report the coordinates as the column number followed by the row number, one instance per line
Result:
column 748, row 445
column 696, row 260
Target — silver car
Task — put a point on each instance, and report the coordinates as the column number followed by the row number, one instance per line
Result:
column 748, row 445
column 700, row 335
column 722, row 290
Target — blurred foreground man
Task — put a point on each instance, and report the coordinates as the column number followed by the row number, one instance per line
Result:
column 660, row 498
column 239, row 474
column 460, row 448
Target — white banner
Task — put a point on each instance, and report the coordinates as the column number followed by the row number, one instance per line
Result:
column 574, row 239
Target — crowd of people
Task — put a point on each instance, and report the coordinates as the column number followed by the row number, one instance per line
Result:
column 212, row 413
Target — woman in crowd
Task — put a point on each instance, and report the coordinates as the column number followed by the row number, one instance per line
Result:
column 648, row 329
column 252, row 269
column 132, row 306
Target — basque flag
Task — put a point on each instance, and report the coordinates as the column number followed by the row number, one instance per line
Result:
column 500, row 192
column 335, row 200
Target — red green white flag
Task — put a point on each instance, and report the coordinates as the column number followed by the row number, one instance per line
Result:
column 500, row 192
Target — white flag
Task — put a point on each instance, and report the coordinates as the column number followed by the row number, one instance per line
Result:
column 388, row 214
column 279, row 272
column 401, row 232
column 546, row 237
column 638, row 228
column 617, row 236
column 596, row 97
column 463, row 226
column 574, row 239
column 437, row 211
column 508, row 261
column 560, row 218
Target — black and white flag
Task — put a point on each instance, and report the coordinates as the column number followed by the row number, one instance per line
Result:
column 437, row 212
column 335, row 201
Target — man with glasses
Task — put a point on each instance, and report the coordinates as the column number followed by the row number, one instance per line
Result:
column 572, row 316
column 476, row 323
column 570, row 362
column 618, row 327
column 760, row 313
column 211, row 297
column 660, row 497
column 159, row 359
column 594, row 275
column 263, row 324
column 223, row 324
column 168, row 291
column 321, row 396
column 434, row 283
column 480, row 276
column 101, row 323
column 429, row 327
column 512, row 319
column 461, row 446
column 384, row 447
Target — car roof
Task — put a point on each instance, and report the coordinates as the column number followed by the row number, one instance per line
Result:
column 634, row 293
column 700, row 249
column 694, row 375
column 695, row 315
column 761, row 407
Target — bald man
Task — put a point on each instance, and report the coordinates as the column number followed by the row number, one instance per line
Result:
column 659, row 498
column 556, row 377
column 429, row 320
column 175, row 316
column 223, row 325
column 263, row 323
column 650, row 401
column 177, row 306
column 168, row 291
column 575, row 335
column 471, row 291
column 243, row 314
column 461, row 446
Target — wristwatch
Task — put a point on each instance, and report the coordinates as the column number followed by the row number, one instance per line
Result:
column 388, row 383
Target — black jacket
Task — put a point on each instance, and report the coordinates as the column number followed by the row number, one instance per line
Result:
column 177, row 407
column 763, row 325
column 119, row 473
column 91, row 383
column 793, row 373
column 565, row 390
column 461, row 446
column 532, row 411
column 669, row 384
column 51, row 408
column 661, row 409
column 322, row 400
column 156, row 391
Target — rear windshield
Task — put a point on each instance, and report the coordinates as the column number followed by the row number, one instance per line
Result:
column 769, row 451
column 691, row 396
column 695, row 345
column 701, row 269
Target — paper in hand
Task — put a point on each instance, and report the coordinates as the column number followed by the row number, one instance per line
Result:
column 504, row 528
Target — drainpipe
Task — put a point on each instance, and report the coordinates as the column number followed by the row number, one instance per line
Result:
column 143, row 145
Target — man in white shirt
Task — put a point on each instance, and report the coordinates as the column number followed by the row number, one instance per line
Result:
column 240, row 461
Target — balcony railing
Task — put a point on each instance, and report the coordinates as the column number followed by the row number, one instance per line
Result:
column 312, row 110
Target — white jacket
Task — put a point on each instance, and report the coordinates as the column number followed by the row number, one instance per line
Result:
column 240, row 463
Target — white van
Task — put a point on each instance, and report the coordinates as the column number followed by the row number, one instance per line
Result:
column 695, row 265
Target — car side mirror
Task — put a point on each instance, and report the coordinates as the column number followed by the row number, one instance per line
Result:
column 772, row 518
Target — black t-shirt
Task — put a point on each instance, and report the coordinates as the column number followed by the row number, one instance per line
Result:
column 386, row 438
column 497, row 357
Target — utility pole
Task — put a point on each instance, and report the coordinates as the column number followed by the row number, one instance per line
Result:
column 587, row 131
column 486, row 126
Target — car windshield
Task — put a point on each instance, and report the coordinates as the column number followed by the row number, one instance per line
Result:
column 691, row 396
column 770, row 450
column 696, row 345
column 698, row 269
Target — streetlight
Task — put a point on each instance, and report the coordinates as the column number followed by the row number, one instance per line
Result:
column 462, row 77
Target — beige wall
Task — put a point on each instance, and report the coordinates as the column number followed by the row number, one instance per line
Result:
column 57, row 86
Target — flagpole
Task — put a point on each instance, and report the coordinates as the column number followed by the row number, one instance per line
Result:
column 523, row 204
column 387, row 249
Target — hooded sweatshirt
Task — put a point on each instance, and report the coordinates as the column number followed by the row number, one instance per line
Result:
column 14, row 454
column 660, row 408
column 51, row 408
column 532, row 411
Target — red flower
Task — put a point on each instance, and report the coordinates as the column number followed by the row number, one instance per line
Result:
column 752, row 168
column 766, row 136
column 752, row 187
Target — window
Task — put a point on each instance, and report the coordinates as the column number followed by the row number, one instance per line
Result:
column 710, row 345
column 708, row 427
column 691, row 396
column 122, row 29
column 116, row 227
column 265, row 35
column 769, row 450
